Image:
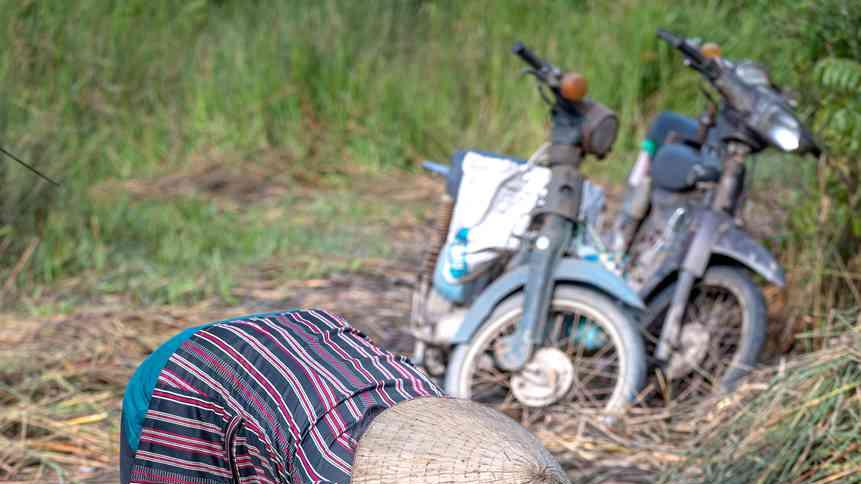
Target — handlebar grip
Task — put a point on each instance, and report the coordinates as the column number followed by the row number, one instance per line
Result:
column 687, row 49
column 524, row 53
column 669, row 37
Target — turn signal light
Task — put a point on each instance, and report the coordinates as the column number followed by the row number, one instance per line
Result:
column 573, row 86
column 710, row 50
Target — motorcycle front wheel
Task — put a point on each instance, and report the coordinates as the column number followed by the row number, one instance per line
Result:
column 723, row 332
column 594, row 359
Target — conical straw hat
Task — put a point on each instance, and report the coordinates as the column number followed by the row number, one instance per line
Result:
column 446, row 440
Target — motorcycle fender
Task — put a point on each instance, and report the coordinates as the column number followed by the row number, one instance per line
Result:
column 568, row 270
column 738, row 245
column 697, row 255
column 667, row 269
column 734, row 244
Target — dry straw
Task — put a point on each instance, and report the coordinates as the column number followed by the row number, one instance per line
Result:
column 61, row 381
column 797, row 421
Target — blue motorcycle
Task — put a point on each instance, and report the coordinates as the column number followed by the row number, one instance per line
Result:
column 541, row 322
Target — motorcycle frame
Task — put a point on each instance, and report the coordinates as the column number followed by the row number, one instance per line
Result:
column 714, row 230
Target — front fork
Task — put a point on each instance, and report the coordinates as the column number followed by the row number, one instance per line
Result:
column 700, row 249
column 562, row 204
column 514, row 350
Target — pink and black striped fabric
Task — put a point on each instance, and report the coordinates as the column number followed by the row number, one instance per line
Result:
column 276, row 398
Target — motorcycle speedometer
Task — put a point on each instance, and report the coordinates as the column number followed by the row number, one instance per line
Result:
column 752, row 74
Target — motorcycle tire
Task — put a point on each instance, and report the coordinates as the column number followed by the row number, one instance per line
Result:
column 619, row 330
column 752, row 323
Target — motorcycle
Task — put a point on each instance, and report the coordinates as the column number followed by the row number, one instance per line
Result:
column 539, row 324
column 689, row 256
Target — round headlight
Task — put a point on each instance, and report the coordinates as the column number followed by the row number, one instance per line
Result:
column 599, row 129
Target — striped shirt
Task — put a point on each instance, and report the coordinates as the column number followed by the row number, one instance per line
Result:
column 274, row 398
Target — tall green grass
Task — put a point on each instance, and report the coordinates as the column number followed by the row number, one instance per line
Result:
column 94, row 92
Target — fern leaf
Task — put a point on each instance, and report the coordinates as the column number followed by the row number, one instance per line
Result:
column 842, row 75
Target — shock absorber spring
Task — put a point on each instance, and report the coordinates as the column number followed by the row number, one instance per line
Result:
column 441, row 225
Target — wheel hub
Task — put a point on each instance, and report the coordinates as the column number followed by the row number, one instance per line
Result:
column 546, row 379
column 694, row 344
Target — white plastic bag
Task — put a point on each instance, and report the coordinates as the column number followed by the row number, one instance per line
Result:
column 495, row 201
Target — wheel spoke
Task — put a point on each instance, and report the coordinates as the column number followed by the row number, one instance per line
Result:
column 576, row 333
column 719, row 312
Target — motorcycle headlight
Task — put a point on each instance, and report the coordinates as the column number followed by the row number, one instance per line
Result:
column 599, row 129
column 783, row 130
column 775, row 123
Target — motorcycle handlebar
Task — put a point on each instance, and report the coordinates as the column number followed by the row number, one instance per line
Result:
column 697, row 58
column 528, row 56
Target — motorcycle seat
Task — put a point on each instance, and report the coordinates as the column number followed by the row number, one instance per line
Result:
column 669, row 127
column 679, row 167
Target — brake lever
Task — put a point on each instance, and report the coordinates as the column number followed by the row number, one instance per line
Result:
column 544, row 96
column 542, row 83
column 532, row 72
column 693, row 65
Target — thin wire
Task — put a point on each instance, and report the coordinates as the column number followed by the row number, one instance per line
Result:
column 45, row 177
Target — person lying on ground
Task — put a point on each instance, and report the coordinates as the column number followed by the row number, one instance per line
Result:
column 303, row 397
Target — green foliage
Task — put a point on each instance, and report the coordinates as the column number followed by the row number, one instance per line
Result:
column 839, row 121
column 839, row 115
column 822, row 42
column 841, row 76
column 99, row 92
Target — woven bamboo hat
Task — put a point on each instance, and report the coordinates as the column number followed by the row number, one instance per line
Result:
column 446, row 440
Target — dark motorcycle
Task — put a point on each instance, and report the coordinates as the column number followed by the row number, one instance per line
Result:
column 540, row 325
column 690, row 257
